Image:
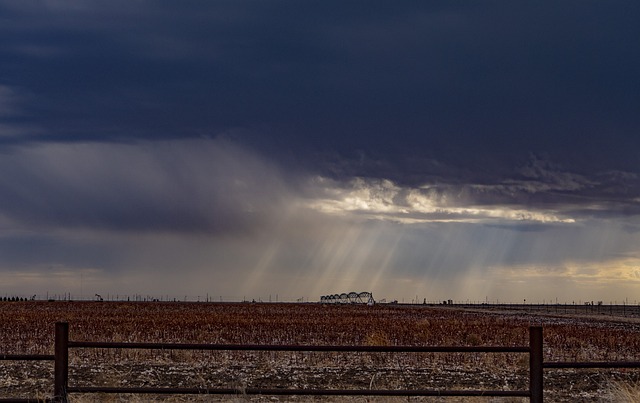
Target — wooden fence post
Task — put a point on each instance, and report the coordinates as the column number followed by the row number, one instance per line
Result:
column 61, row 366
column 535, row 364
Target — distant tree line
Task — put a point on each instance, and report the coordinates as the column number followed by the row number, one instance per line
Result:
column 13, row 299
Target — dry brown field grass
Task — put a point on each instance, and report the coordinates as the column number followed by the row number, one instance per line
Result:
column 28, row 328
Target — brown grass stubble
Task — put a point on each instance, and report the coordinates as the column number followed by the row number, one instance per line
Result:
column 27, row 328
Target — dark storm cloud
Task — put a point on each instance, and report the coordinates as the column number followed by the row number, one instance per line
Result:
column 468, row 84
column 529, row 105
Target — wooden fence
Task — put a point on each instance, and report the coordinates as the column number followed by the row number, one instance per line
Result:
column 62, row 389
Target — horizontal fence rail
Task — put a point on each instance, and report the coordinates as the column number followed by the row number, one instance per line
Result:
column 279, row 347
column 63, row 389
column 535, row 351
column 301, row 392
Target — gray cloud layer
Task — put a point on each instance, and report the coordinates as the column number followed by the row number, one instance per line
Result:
column 198, row 216
column 191, row 185
column 217, row 187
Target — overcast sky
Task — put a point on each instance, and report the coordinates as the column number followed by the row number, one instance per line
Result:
column 247, row 149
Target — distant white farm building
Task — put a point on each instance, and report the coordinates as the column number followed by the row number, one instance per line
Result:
column 364, row 297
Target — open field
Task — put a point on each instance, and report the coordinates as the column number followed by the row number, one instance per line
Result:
column 27, row 328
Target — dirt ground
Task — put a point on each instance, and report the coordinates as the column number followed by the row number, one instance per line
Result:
column 243, row 371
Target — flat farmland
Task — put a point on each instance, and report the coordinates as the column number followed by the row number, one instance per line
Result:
column 28, row 328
